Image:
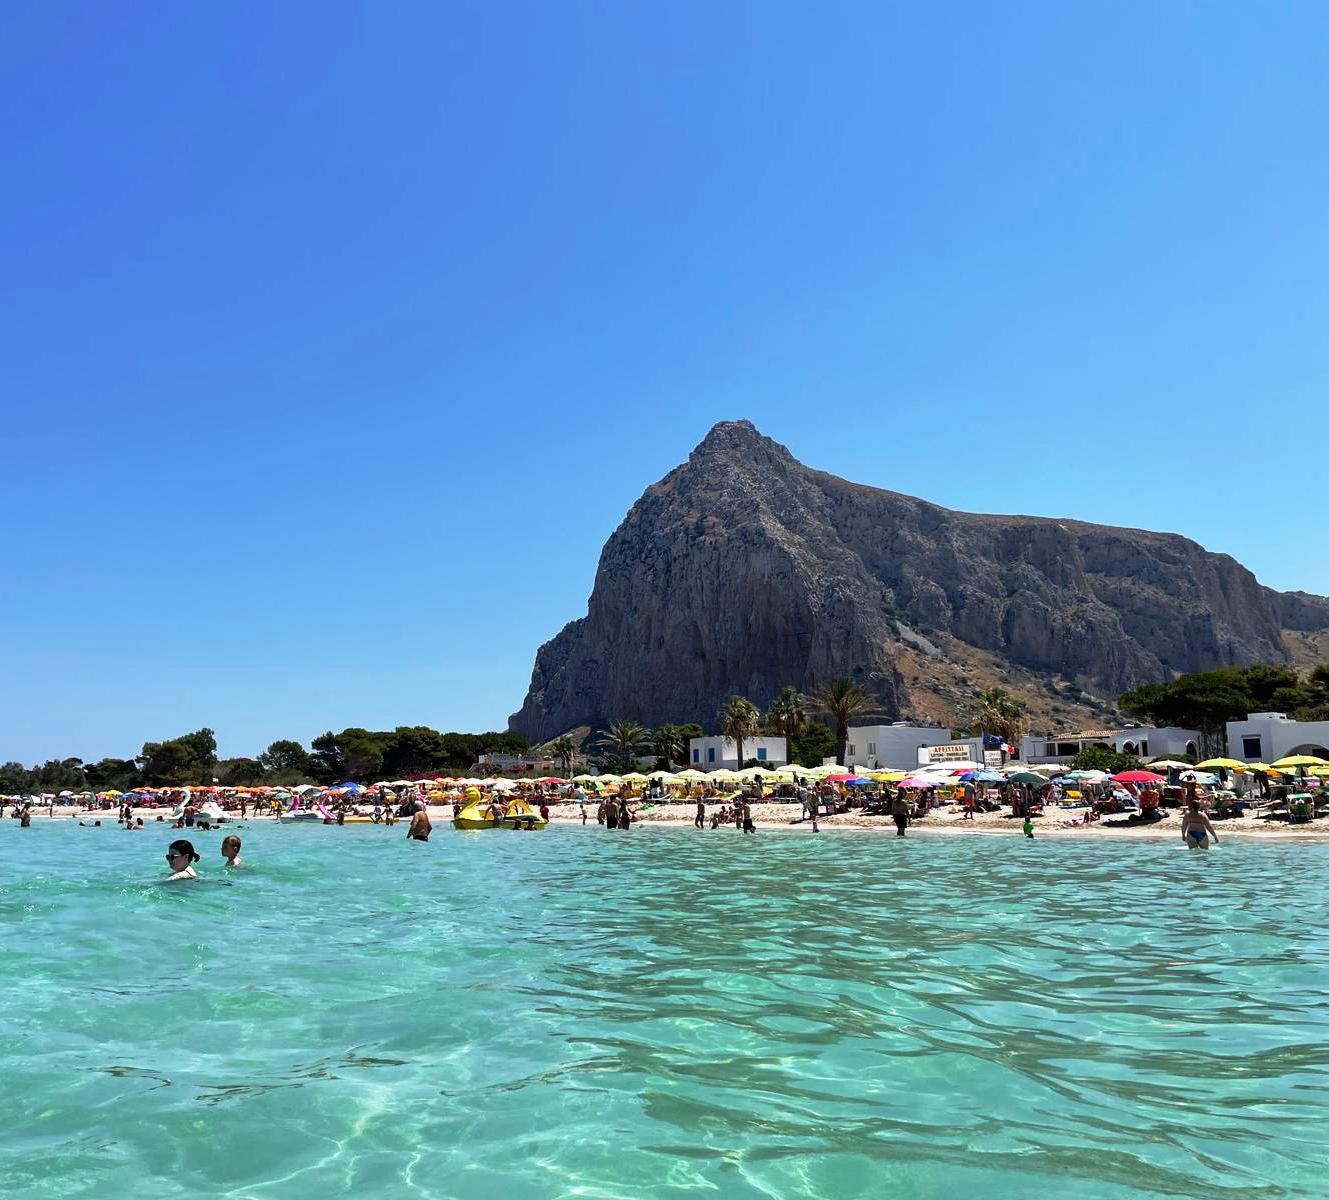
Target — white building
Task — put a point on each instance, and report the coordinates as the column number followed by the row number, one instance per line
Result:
column 1154, row 742
column 1269, row 736
column 1157, row 742
column 712, row 753
column 891, row 747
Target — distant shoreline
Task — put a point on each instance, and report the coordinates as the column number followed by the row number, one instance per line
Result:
column 778, row 818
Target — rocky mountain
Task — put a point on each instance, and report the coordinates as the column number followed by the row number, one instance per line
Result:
column 743, row 570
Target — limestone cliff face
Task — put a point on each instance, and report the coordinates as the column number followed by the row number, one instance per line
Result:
column 743, row 570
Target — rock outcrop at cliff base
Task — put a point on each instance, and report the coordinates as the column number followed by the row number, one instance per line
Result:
column 742, row 571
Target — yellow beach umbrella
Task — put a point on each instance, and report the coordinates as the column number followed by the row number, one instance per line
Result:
column 724, row 775
column 691, row 773
column 634, row 777
column 1301, row 760
column 887, row 776
column 1228, row 764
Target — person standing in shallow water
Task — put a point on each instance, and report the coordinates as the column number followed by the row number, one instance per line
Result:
column 900, row 813
column 1196, row 829
column 699, row 821
column 420, row 827
column 230, row 851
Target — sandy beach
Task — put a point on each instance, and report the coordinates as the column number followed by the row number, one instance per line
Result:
column 785, row 818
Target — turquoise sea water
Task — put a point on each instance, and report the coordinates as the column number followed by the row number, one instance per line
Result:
column 663, row 1013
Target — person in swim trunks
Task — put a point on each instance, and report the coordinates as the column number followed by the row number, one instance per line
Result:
column 420, row 827
column 1196, row 829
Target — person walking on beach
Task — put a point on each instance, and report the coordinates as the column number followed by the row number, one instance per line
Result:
column 699, row 821
column 583, row 813
column 900, row 813
column 1196, row 829
column 420, row 828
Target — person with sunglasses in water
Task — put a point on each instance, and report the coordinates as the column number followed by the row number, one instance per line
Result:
column 181, row 857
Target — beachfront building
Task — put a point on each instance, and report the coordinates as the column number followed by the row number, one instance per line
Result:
column 1146, row 743
column 1269, row 736
column 891, row 747
column 712, row 753
column 1156, row 742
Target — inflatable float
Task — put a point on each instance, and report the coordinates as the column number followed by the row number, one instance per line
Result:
column 499, row 814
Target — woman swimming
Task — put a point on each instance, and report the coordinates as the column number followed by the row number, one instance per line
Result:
column 181, row 857
column 1196, row 829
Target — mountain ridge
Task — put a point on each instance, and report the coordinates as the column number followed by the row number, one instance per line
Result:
column 742, row 570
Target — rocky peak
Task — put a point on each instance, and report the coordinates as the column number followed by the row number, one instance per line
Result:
column 743, row 570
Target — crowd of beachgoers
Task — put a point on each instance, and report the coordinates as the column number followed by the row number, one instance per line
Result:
column 1286, row 797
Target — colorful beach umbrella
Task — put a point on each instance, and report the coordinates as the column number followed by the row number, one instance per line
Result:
column 1138, row 777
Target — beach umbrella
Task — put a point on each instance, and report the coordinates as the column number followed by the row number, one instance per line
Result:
column 1026, row 777
column 724, row 775
column 504, row 785
column 921, row 781
column 857, row 781
column 1137, row 777
column 550, row 779
column 1301, row 760
column 1168, row 764
column 1228, row 764
column 584, row 778
column 691, row 773
column 305, row 787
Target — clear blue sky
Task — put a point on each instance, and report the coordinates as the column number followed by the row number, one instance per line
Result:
column 336, row 339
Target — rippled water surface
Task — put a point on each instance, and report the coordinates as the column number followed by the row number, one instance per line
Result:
column 661, row 1013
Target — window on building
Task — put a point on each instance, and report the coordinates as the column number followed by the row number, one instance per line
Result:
column 849, row 749
column 872, row 749
column 696, row 754
column 710, row 754
column 1251, row 747
column 1144, row 747
column 761, row 753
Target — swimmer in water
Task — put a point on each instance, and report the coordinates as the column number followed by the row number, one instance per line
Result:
column 1196, row 830
column 420, row 826
column 230, row 850
column 181, row 857
column 1028, row 826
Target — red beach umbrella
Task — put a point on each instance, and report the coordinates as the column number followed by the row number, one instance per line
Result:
column 1138, row 777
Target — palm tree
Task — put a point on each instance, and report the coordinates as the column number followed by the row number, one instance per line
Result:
column 997, row 711
column 625, row 738
column 739, row 719
column 842, row 700
column 563, row 749
column 788, row 712
column 668, row 743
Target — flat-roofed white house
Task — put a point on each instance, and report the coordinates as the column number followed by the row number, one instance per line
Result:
column 712, row 753
column 1156, row 742
column 891, row 747
column 1160, row 742
column 1269, row 736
